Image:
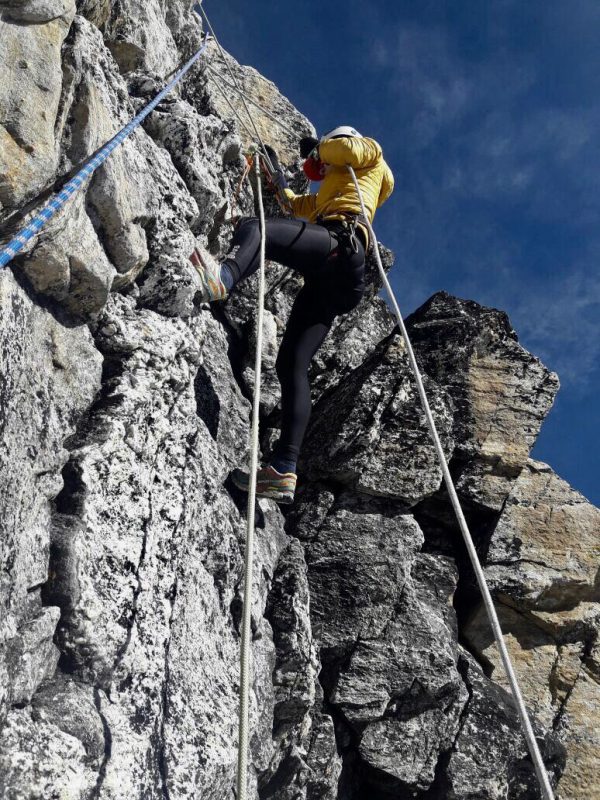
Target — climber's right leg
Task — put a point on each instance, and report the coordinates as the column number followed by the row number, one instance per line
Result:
column 310, row 321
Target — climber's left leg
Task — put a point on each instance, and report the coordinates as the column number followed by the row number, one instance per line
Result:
column 303, row 246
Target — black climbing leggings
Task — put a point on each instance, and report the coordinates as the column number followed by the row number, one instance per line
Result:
column 333, row 284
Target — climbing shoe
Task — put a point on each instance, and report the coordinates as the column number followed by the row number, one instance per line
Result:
column 269, row 483
column 211, row 286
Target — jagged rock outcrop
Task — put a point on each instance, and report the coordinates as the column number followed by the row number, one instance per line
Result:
column 124, row 405
column 501, row 393
column 543, row 563
column 50, row 375
column 370, row 433
column 30, row 53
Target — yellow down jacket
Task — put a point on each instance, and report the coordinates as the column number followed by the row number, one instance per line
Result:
column 337, row 193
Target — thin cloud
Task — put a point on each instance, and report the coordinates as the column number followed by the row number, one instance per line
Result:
column 565, row 336
column 497, row 162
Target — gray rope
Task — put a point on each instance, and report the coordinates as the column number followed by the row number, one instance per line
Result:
column 487, row 597
column 59, row 199
column 234, row 79
column 257, row 105
column 242, row 774
column 231, row 106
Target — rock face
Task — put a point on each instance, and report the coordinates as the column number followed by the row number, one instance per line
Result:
column 30, row 51
column 543, row 562
column 501, row 393
column 50, row 374
column 124, row 405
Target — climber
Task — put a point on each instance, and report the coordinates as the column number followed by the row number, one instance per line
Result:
column 328, row 250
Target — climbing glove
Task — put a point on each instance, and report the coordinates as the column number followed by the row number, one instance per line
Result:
column 307, row 145
column 276, row 176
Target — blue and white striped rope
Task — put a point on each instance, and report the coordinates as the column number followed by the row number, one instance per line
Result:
column 58, row 200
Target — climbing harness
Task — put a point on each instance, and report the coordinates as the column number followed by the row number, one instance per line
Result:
column 242, row 774
column 349, row 225
column 58, row 200
column 481, row 580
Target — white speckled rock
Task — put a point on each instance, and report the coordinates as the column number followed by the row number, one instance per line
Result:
column 36, row 11
column 216, row 92
column 50, row 373
column 39, row 760
column 69, row 263
column 543, row 560
column 488, row 761
column 561, row 690
column 138, row 37
column 203, row 150
column 137, row 200
column 545, row 549
column 30, row 53
column 31, row 656
column 401, row 691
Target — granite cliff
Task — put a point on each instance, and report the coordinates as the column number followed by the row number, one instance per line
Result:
column 124, row 405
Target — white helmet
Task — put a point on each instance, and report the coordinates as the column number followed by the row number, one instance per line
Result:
column 343, row 130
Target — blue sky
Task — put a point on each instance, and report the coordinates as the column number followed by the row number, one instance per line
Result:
column 489, row 115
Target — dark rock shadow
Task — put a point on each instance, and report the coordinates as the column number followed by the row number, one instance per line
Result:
column 240, row 500
column 208, row 405
column 53, row 307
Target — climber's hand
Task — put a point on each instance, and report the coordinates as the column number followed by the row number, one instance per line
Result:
column 275, row 177
column 307, row 145
column 273, row 157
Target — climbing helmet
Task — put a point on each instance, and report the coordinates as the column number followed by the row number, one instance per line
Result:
column 342, row 130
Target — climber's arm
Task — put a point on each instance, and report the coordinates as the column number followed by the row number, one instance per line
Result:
column 358, row 153
column 387, row 186
column 302, row 205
